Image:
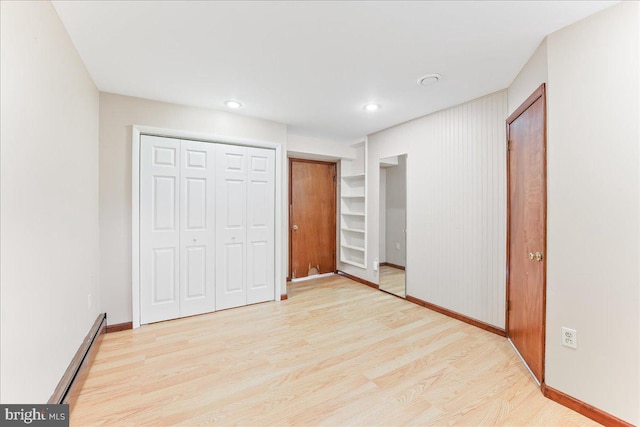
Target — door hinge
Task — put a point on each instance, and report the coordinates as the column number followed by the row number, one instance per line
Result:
column 508, row 145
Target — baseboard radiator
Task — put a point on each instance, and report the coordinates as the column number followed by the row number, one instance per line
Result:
column 71, row 382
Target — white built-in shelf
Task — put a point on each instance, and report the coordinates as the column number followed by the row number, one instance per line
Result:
column 353, row 177
column 353, row 208
column 352, row 230
column 355, row 248
column 357, row 264
column 353, row 213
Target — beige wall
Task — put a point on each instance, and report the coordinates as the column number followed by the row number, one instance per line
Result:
column 117, row 115
column 593, row 281
column 456, row 215
column 49, row 203
column 532, row 75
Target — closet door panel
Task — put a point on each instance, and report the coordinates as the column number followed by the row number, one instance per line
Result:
column 159, row 229
column 260, row 225
column 197, row 228
column 231, row 233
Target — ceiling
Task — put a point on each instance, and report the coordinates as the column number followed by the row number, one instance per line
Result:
column 312, row 64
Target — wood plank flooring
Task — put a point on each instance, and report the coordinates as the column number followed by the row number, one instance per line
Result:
column 335, row 353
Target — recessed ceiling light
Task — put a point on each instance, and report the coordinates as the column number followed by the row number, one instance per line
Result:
column 233, row 104
column 372, row 107
column 429, row 79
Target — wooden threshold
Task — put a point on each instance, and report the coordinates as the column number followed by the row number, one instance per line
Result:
column 117, row 327
column 70, row 384
column 283, row 297
column 461, row 317
column 358, row 279
column 585, row 409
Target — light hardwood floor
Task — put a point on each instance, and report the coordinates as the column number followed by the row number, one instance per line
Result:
column 335, row 353
column 392, row 280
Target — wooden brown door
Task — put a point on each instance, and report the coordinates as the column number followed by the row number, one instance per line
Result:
column 526, row 241
column 312, row 232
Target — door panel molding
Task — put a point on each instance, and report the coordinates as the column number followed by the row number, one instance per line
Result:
column 538, row 95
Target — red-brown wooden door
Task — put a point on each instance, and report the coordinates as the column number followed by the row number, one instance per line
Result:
column 526, row 287
column 312, row 231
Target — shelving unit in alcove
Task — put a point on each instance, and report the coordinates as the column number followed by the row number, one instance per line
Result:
column 353, row 209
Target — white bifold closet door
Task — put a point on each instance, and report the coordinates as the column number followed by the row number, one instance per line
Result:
column 159, row 229
column 177, row 228
column 206, row 227
column 260, row 225
column 197, row 228
column 245, row 192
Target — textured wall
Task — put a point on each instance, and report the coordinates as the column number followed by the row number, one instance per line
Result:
column 456, row 205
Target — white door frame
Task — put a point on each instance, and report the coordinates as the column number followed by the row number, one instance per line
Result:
column 138, row 130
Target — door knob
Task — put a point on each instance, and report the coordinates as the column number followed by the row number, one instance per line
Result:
column 295, row 227
column 537, row 256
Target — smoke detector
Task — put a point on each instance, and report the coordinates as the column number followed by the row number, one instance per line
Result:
column 232, row 103
column 429, row 79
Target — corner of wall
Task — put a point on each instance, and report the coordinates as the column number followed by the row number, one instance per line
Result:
column 532, row 75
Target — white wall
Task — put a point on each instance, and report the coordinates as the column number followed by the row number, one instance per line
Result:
column 395, row 212
column 117, row 115
column 532, row 75
column 593, row 282
column 314, row 148
column 49, row 203
column 456, row 212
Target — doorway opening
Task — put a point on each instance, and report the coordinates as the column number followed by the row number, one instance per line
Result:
column 312, row 218
column 393, row 225
column 527, row 231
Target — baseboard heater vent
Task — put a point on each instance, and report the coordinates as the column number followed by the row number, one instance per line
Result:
column 71, row 382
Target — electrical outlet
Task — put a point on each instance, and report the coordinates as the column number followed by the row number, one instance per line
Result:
column 375, row 264
column 569, row 337
column 397, row 246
